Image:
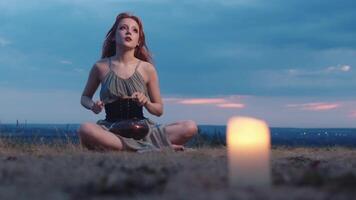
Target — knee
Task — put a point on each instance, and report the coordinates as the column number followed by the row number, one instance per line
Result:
column 191, row 127
column 84, row 130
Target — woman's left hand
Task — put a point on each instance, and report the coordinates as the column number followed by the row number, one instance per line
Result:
column 140, row 98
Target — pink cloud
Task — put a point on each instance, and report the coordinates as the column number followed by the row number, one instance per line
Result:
column 203, row 101
column 353, row 114
column 227, row 102
column 231, row 105
column 320, row 106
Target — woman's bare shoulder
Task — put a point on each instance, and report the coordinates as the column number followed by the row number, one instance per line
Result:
column 148, row 67
column 101, row 64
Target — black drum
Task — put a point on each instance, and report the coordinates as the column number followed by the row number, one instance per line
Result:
column 131, row 128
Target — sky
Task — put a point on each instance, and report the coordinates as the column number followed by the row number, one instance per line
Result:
column 290, row 63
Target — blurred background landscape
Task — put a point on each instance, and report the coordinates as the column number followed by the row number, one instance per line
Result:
column 208, row 135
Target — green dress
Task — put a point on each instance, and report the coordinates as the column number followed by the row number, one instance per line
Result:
column 114, row 87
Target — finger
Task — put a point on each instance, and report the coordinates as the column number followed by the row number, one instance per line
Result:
column 142, row 95
column 134, row 95
column 142, row 102
column 140, row 98
column 139, row 95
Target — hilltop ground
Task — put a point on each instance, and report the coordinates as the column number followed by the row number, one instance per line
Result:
column 70, row 172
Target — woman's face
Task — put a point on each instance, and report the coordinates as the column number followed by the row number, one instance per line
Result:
column 127, row 33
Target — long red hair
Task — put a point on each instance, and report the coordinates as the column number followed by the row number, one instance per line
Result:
column 109, row 46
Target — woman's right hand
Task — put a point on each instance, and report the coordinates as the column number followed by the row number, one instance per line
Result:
column 97, row 107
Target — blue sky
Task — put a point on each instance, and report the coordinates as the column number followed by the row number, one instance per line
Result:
column 291, row 63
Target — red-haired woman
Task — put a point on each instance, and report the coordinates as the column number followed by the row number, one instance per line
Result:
column 125, row 71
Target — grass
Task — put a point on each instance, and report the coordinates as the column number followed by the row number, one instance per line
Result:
column 10, row 146
column 68, row 171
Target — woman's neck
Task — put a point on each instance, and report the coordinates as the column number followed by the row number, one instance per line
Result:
column 125, row 56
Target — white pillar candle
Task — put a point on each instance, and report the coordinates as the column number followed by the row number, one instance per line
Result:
column 248, row 144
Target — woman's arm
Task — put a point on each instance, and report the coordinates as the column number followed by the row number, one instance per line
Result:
column 155, row 106
column 89, row 90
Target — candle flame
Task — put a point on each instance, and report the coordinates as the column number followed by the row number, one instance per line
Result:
column 248, row 142
column 249, row 133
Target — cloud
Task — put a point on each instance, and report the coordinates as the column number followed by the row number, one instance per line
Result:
column 324, row 71
column 4, row 42
column 61, row 106
column 14, row 7
column 353, row 114
column 231, row 105
column 202, row 101
column 346, row 68
column 269, row 109
column 226, row 102
column 267, row 37
column 66, row 62
column 228, row 3
column 340, row 68
column 79, row 70
column 319, row 106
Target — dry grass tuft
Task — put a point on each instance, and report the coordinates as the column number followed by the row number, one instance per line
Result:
column 20, row 147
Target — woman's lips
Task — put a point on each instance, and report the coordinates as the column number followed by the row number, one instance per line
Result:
column 128, row 39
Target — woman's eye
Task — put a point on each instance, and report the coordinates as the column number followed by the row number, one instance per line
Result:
column 135, row 30
column 122, row 27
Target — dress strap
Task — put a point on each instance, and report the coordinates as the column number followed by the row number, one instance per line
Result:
column 109, row 63
column 138, row 64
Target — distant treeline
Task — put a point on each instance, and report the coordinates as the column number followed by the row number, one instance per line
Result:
column 312, row 137
column 208, row 135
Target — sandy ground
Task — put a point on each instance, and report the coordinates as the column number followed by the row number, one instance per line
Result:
column 70, row 172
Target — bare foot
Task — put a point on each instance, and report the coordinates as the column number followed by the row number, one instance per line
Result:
column 178, row 147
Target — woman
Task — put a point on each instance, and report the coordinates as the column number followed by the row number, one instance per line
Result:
column 125, row 72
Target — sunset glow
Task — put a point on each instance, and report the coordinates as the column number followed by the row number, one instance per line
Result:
column 315, row 106
column 231, row 105
column 202, row 101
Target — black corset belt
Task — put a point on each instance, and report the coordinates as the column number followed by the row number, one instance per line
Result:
column 122, row 109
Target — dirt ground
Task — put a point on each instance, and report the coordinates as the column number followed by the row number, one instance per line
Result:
column 70, row 172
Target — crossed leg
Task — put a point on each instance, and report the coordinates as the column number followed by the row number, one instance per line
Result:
column 180, row 132
column 93, row 136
